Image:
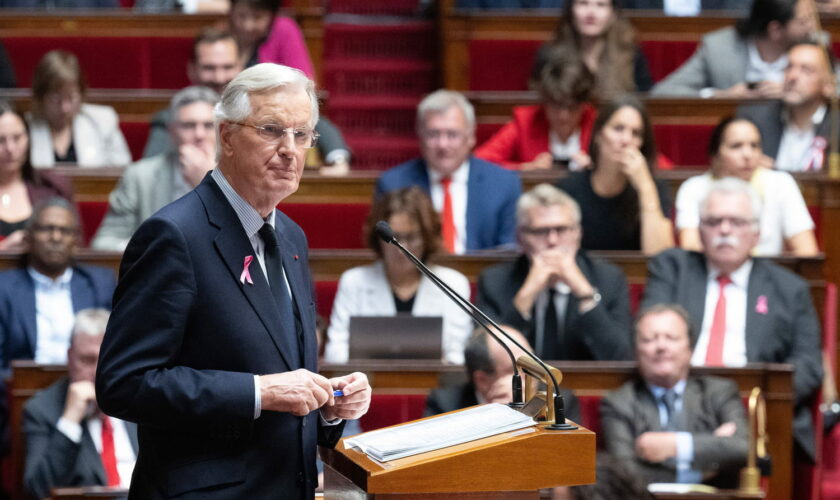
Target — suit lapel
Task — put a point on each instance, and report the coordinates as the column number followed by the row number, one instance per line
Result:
column 28, row 311
column 90, row 457
column 233, row 246
column 79, row 293
column 293, row 267
column 475, row 182
column 691, row 404
column 696, row 290
column 646, row 408
column 757, row 323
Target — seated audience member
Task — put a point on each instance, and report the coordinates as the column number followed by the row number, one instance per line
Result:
column 69, row 441
column 795, row 129
column 20, row 184
column 770, row 317
column 690, row 8
column 150, row 184
column 213, row 63
column 38, row 300
column 392, row 284
column 557, row 130
column 489, row 377
column 735, row 151
column 65, row 129
column 570, row 305
column 625, row 207
column 597, row 33
column 7, row 71
column 669, row 425
column 476, row 199
column 747, row 60
column 263, row 36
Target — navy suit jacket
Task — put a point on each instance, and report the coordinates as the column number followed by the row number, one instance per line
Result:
column 89, row 287
column 183, row 344
column 492, row 193
column 785, row 331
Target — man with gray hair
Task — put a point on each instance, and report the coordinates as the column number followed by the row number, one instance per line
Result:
column 151, row 183
column 568, row 304
column 745, row 309
column 476, row 199
column 211, row 347
column 69, row 442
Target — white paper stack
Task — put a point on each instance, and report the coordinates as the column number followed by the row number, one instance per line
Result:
column 439, row 432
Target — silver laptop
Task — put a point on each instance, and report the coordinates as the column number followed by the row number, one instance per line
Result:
column 396, row 337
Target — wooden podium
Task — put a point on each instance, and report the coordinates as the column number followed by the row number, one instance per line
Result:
column 514, row 464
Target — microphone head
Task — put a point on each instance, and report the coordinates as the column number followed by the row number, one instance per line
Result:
column 384, row 231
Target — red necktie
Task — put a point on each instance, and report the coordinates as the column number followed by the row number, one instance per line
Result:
column 109, row 457
column 714, row 351
column 447, row 218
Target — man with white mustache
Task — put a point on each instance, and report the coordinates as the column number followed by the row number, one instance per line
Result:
column 745, row 309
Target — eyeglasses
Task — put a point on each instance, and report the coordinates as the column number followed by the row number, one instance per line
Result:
column 188, row 126
column 410, row 239
column 432, row 135
column 274, row 133
column 544, row 232
column 50, row 229
column 736, row 222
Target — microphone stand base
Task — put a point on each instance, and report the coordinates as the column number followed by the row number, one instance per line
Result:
column 561, row 427
column 516, row 406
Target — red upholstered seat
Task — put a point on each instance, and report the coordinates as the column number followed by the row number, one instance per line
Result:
column 109, row 62
column 409, row 40
column 684, row 144
column 664, row 56
column 136, row 134
column 392, row 409
column 329, row 225
column 324, row 297
column 91, row 214
column 486, row 71
column 373, row 7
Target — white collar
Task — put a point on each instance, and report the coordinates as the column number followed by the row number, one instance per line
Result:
column 44, row 280
column 459, row 176
column 740, row 277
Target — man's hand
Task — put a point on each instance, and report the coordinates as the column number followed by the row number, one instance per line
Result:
column 81, row 401
column 737, row 91
column 769, row 90
column 299, row 392
column 356, row 399
column 656, row 446
column 726, row 429
column 196, row 161
column 501, row 391
column 14, row 241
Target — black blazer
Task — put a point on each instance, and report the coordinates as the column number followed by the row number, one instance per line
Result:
column 53, row 460
column 603, row 333
column 183, row 344
column 786, row 331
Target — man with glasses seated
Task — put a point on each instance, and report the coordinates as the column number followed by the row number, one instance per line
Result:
column 745, row 309
column 476, row 199
column 39, row 300
column 568, row 304
column 151, row 183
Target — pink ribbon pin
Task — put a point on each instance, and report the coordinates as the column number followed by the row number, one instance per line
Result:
column 761, row 305
column 246, row 274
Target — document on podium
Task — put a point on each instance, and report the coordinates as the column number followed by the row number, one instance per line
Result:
column 439, row 432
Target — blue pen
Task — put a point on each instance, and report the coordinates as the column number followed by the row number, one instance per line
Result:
column 338, row 393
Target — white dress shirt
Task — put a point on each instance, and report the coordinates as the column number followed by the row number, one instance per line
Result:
column 458, row 193
column 759, row 70
column 682, row 8
column 734, row 342
column 567, row 149
column 54, row 316
column 796, row 146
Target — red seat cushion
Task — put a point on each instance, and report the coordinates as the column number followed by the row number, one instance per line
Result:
column 91, row 214
column 330, row 225
column 324, row 297
column 487, row 74
column 684, row 144
column 664, row 56
column 136, row 134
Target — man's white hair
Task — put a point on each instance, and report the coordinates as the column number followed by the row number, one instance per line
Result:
column 733, row 185
column 440, row 101
column 544, row 195
column 92, row 321
column 235, row 105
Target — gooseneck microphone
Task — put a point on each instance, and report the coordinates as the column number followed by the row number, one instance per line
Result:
column 384, row 231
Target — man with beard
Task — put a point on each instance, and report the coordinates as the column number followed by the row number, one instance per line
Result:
column 795, row 129
column 745, row 310
column 38, row 301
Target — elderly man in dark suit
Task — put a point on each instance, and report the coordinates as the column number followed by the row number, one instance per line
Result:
column 68, row 441
column 569, row 305
column 39, row 300
column 211, row 347
column 668, row 425
column 476, row 199
column 743, row 309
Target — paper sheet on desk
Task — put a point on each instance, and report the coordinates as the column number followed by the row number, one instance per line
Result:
column 439, row 432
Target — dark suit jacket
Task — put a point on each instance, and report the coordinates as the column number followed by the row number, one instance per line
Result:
column 90, row 287
column 708, row 402
column 53, row 460
column 492, row 193
column 603, row 333
column 788, row 332
column 767, row 116
column 182, row 347
column 455, row 397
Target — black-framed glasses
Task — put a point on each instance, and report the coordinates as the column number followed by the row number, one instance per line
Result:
column 274, row 133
